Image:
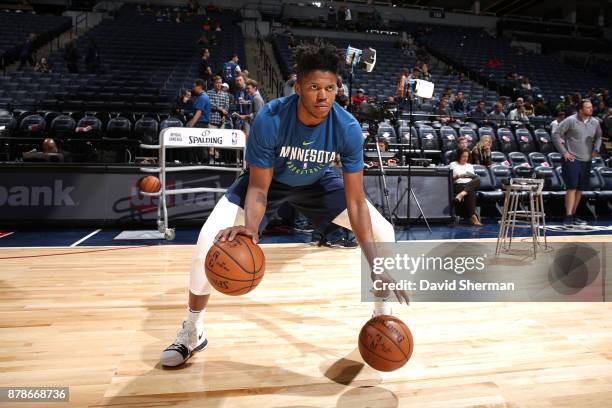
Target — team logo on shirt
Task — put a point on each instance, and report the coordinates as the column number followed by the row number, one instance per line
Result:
column 306, row 161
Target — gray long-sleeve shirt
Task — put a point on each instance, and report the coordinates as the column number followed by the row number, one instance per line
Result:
column 578, row 137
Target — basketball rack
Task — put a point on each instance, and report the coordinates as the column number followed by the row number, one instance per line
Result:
column 181, row 138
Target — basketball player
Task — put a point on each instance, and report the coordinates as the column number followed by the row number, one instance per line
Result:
column 292, row 144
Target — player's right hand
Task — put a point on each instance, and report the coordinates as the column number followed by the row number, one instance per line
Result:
column 569, row 156
column 228, row 234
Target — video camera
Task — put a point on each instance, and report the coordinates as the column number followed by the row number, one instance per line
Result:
column 376, row 111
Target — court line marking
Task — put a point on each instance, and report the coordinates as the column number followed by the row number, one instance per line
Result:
column 85, row 238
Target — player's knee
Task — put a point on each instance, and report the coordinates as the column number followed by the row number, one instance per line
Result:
column 385, row 232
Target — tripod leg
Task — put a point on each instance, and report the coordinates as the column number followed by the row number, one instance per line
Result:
column 416, row 200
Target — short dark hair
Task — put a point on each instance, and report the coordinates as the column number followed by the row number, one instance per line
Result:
column 232, row 56
column 460, row 151
column 252, row 82
column 200, row 83
column 582, row 102
column 317, row 57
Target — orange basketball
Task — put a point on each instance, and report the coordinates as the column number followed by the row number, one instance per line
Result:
column 149, row 184
column 385, row 343
column 235, row 267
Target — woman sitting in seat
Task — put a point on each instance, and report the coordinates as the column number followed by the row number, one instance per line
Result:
column 481, row 154
column 465, row 185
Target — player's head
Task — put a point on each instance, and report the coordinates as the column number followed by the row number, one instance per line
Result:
column 198, row 86
column 585, row 108
column 317, row 69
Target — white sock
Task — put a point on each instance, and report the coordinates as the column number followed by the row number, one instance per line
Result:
column 382, row 308
column 196, row 317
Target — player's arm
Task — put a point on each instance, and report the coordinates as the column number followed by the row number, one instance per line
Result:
column 359, row 214
column 361, row 224
column 597, row 141
column 254, row 205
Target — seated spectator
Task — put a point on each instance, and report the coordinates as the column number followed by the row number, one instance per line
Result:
column 49, row 153
column 383, row 145
column 518, row 116
column 526, row 85
column 341, row 85
column 465, row 186
column 529, row 108
column 459, row 104
column 288, row 89
column 478, row 115
column 600, row 110
column 497, row 117
column 342, row 98
column 443, row 111
column 541, row 109
column 560, row 118
column 425, row 75
column 43, row 66
column 481, row 153
column 462, row 144
column 359, row 97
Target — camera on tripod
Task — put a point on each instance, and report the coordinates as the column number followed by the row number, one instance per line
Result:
column 376, row 111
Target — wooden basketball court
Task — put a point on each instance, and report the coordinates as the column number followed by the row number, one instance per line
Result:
column 95, row 319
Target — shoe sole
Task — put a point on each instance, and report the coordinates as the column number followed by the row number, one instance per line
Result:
column 195, row 350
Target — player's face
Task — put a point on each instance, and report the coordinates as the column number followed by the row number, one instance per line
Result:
column 587, row 110
column 317, row 91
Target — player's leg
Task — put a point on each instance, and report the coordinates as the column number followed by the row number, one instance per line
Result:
column 190, row 337
column 325, row 203
column 227, row 213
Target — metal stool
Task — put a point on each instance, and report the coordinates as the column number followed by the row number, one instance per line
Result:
column 532, row 216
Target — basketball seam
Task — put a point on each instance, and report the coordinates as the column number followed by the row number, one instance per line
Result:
column 378, row 355
column 228, row 278
column 401, row 351
column 235, row 261
column 252, row 259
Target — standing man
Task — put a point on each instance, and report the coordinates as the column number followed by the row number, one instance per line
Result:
column 578, row 139
column 204, row 69
column 231, row 69
column 201, row 118
column 219, row 100
column 293, row 143
column 219, row 103
column 257, row 100
column 26, row 54
column 202, row 106
column 243, row 105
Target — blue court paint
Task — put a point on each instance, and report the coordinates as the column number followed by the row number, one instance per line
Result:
column 189, row 236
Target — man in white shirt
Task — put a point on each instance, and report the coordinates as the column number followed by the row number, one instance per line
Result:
column 555, row 123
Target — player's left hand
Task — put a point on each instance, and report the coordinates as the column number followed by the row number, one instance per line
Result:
column 594, row 153
column 385, row 278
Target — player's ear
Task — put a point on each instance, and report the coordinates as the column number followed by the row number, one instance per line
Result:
column 297, row 85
